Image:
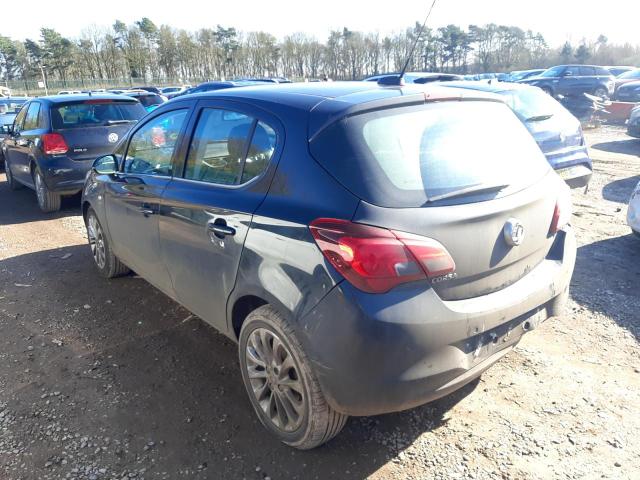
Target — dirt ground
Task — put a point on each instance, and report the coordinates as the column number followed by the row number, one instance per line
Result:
column 110, row 379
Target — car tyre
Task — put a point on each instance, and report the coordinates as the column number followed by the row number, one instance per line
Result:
column 281, row 385
column 48, row 201
column 105, row 260
column 12, row 182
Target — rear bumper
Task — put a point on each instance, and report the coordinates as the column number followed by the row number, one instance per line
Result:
column 376, row 354
column 573, row 165
column 63, row 175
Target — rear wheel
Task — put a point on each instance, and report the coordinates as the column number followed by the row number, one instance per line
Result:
column 48, row 201
column 283, row 390
column 13, row 184
column 106, row 262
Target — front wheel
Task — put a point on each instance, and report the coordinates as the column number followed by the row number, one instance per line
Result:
column 48, row 201
column 282, row 388
column 106, row 262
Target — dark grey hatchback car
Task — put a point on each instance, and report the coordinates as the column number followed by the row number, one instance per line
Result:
column 369, row 248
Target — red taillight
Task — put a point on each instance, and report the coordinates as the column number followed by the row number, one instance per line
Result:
column 375, row 259
column 54, row 144
column 561, row 213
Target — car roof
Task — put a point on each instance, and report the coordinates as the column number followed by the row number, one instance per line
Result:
column 53, row 99
column 329, row 101
column 9, row 99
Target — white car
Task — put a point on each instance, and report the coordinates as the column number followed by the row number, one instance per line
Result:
column 633, row 213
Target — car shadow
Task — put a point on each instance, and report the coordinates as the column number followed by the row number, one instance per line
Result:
column 620, row 190
column 25, row 205
column 611, row 270
column 628, row 147
column 129, row 359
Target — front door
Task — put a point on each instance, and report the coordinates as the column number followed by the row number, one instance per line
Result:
column 132, row 198
column 206, row 214
column 16, row 150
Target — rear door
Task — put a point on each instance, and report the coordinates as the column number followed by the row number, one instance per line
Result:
column 132, row 197
column 206, row 212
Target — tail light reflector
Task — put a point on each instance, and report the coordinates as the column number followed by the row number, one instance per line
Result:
column 374, row 259
column 54, row 144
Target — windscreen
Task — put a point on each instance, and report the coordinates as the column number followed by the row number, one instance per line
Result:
column 411, row 156
column 552, row 72
column 95, row 113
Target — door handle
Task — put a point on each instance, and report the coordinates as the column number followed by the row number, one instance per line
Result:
column 221, row 230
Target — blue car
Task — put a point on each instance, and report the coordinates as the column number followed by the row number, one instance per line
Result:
column 53, row 141
column 557, row 132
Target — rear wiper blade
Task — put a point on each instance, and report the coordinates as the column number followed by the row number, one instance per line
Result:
column 539, row 118
column 470, row 190
column 119, row 122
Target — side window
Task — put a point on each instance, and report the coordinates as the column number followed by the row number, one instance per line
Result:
column 151, row 147
column 31, row 122
column 587, row 71
column 218, row 147
column 19, row 121
column 572, row 71
column 261, row 148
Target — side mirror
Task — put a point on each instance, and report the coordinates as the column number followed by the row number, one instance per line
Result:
column 105, row 165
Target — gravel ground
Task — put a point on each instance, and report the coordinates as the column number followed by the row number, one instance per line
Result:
column 110, row 379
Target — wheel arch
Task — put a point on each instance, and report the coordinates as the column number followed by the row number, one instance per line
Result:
column 241, row 309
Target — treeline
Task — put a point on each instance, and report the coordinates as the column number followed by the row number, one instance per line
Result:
column 154, row 53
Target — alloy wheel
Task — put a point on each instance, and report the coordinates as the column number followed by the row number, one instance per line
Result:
column 96, row 241
column 275, row 380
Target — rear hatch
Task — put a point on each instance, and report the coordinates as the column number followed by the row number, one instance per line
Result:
column 92, row 127
column 457, row 172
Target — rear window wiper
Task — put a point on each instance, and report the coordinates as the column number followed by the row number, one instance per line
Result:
column 470, row 190
column 119, row 122
column 539, row 118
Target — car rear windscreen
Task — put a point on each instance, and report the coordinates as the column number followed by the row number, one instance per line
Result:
column 411, row 156
column 150, row 100
column 94, row 113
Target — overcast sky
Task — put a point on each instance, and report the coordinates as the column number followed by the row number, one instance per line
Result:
column 557, row 20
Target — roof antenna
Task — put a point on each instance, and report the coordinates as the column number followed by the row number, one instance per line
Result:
column 393, row 80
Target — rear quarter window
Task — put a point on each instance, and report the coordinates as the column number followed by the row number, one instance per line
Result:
column 413, row 156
